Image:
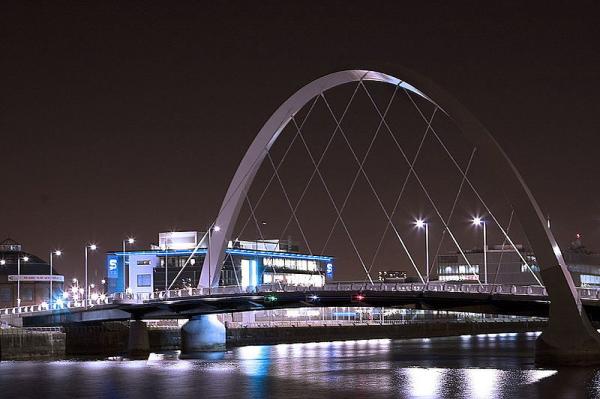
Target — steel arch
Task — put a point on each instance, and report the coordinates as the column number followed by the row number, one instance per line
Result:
column 568, row 321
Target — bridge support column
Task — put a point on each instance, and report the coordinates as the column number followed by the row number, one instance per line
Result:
column 569, row 339
column 202, row 334
column 139, row 342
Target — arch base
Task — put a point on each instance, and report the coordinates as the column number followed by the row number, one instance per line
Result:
column 552, row 350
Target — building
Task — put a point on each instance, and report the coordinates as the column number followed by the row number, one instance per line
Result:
column 507, row 266
column 25, row 274
column 177, row 260
column 392, row 276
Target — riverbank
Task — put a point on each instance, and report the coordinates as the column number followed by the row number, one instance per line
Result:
column 110, row 339
column 32, row 344
column 265, row 334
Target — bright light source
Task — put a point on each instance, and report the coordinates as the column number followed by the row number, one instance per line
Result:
column 25, row 258
column 217, row 228
column 314, row 297
column 2, row 262
column 477, row 221
column 59, row 302
column 420, row 223
column 103, row 281
column 131, row 240
column 74, row 289
column 65, row 295
column 93, row 247
column 81, row 290
column 92, row 285
column 94, row 297
column 359, row 297
column 74, row 281
column 58, row 252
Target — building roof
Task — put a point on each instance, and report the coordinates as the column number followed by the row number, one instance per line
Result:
column 11, row 250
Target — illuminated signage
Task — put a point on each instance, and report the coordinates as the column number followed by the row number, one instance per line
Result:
column 36, row 277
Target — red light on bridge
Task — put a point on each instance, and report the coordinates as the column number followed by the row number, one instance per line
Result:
column 358, row 297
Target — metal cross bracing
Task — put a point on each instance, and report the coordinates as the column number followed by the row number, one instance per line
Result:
column 360, row 171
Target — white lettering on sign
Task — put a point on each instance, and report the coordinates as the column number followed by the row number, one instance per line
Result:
column 36, row 277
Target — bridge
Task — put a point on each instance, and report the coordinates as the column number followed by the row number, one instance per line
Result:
column 569, row 337
column 504, row 299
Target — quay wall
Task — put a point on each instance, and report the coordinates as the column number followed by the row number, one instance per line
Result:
column 22, row 344
column 240, row 336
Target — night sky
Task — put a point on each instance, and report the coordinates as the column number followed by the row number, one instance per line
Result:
column 129, row 118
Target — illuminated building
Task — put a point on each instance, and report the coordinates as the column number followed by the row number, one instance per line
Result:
column 179, row 256
column 32, row 272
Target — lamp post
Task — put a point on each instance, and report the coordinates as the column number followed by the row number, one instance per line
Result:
column 57, row 253
column 216, row 229
column 91, row 247
column 130, row 241
column 25, row 259
column 477, row 221
column 420, row 225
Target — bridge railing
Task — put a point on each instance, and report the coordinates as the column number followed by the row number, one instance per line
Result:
column 442, row 287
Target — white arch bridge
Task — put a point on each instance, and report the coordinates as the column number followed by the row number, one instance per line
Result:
column 569, row 336
column 569, row 333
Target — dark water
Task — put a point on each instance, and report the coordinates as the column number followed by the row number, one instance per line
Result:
column 485, row 366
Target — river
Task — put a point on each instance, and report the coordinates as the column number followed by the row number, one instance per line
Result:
column 479, row 366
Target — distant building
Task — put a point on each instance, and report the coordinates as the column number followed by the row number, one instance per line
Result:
column 34, row 276
column 392, row 276
column 507, row 266
column 247, row 264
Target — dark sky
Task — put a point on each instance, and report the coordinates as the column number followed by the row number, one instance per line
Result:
column 123, row 118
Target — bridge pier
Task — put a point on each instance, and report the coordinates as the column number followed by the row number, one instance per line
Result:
column 202, row 334
column 569, row 339
column 139, row 341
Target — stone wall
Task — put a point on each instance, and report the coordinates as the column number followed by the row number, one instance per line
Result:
column 318, row 333
column 20, row 344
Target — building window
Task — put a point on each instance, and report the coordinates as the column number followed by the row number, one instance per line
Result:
column 27, row 294
column 588, row 279
column 144, row 280
column 145, row 262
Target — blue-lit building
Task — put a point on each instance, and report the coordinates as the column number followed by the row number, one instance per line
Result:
column 247, row 264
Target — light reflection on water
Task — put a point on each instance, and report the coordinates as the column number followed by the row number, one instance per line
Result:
column 481, row 366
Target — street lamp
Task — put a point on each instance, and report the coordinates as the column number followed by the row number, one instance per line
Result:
column 477, row 221
column 130, row 241
column 57, row 253
column 420, row 223
column 91, row 247
column 25, row 259
column 214, row 228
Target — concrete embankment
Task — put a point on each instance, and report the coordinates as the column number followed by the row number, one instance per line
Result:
column 110, row 339
column 21, row 344
column 239, row 336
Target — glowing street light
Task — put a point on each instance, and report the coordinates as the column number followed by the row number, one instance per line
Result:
column 2, row 262
column 91, row 247
column 420, row 223
column 130, row 241
column 477, row 221
column 25, row 259
column 52, row 254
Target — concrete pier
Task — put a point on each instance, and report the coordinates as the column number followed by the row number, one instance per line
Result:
column 139, row 341
column 202, row 334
